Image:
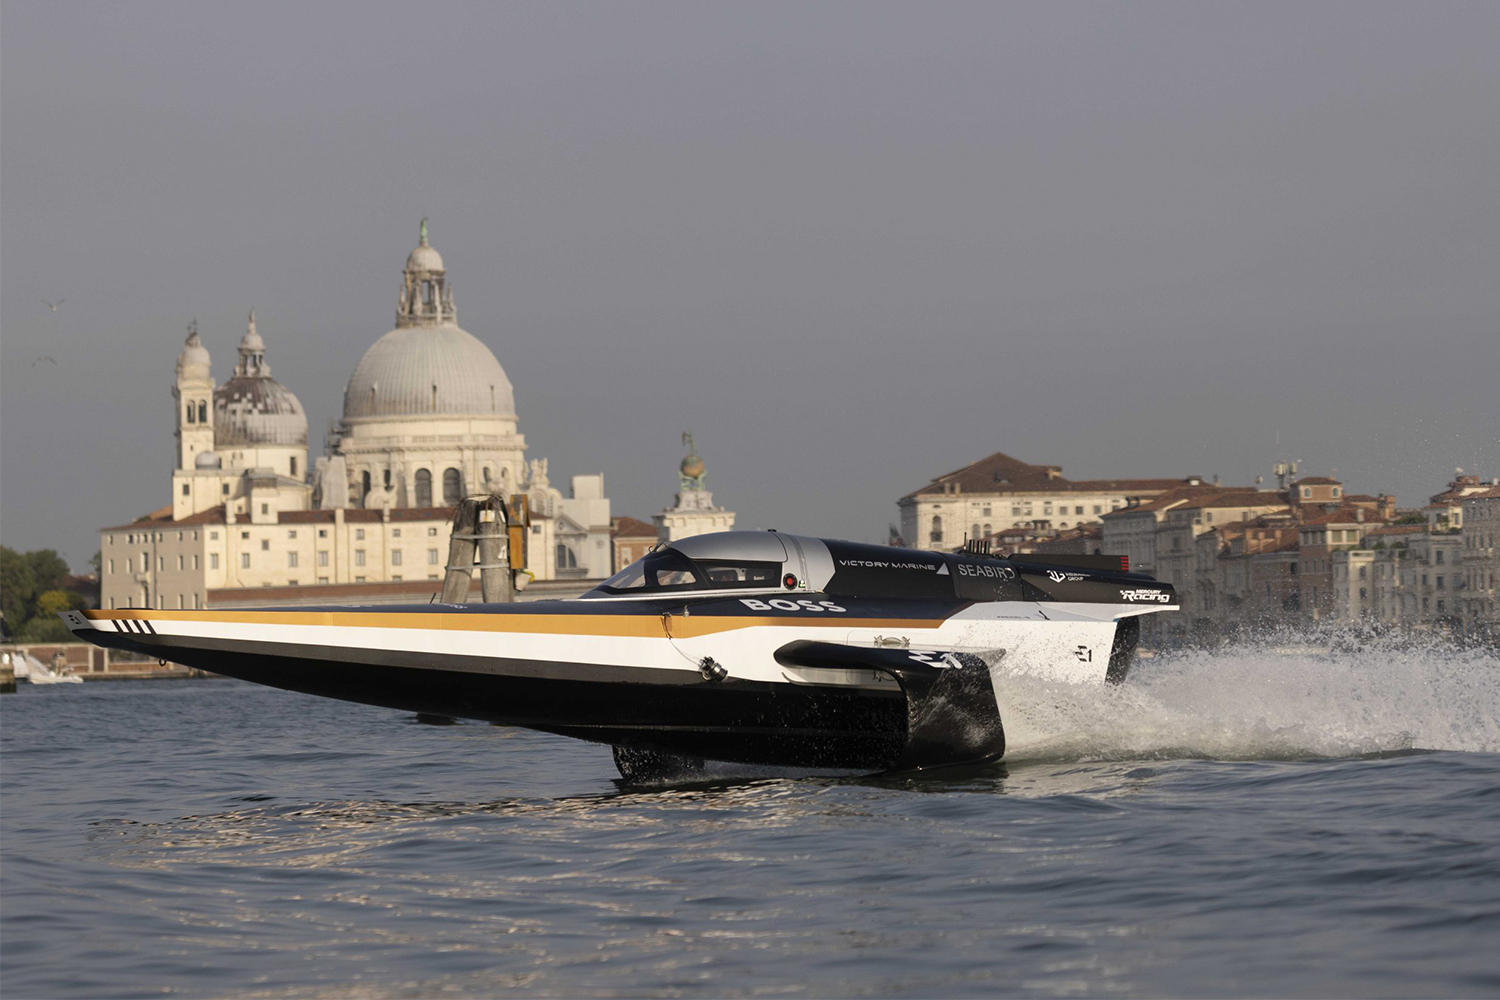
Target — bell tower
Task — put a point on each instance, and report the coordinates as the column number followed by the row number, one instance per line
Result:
column 426, row 297
column 194, row 395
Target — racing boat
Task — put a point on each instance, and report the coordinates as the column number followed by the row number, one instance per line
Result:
column 758, row 648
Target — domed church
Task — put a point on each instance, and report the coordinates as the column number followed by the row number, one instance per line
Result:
column 429, row 416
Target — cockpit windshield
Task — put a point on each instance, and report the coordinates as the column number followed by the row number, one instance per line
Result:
column 670, row 571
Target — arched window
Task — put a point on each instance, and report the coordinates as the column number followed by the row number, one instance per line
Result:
column 364, row 485
column 424, row 488
column 987, row 531
column 202, row 413
column 294, row 466
column 937, row 528
column 427, row 292
column 192, row 414
column 565, row 557
column 973, row 531
column 387, row 478
column 453, row 487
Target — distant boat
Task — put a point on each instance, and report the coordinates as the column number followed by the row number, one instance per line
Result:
column 29, row 668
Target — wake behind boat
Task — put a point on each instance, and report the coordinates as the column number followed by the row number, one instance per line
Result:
column 751, row 647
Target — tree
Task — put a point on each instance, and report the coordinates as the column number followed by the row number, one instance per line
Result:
column 51, row 569
column 55, row 602
column 17, row 587
column 96, row 563
column 44, row 630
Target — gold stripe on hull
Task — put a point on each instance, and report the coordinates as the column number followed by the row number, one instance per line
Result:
column 638, row 626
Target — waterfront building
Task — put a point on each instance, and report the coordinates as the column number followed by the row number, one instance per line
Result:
column 428, row 418
column 999, row 492
column 1480, row 535
column 632, row 538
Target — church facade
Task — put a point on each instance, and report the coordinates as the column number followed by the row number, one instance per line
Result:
column 428, row 418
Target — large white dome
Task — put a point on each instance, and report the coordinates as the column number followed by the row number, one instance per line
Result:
column 418, row 371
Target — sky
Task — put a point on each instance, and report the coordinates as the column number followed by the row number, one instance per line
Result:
column 850, row 246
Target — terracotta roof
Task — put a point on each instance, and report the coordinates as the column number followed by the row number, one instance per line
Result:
column 1397, row 529
column 1488, row 494
column 1344, row 515
column 1171, row 499
column 163, row 519
column 1318, row 481
column 1000, row 473
column 1241, row 498
column 1125, row 485
column 625, row 526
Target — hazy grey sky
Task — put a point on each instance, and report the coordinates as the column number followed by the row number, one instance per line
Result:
column 850, row 246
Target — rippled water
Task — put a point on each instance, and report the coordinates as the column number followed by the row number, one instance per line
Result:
column 1227, row 825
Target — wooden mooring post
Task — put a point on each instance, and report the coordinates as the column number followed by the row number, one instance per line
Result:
column 479, row 530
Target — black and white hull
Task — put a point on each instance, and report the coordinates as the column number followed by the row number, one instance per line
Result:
column 755, row 648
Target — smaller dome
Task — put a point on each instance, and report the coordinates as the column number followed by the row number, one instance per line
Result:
column 207, row 460
column 251, row 410
column 424, row 258
column 252, row 340
column 193, row 362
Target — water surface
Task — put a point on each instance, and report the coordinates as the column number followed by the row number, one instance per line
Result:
column 1233, row 824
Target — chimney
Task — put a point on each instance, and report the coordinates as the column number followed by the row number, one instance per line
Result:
column 1359, row 514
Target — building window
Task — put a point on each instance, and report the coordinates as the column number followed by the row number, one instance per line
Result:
column 1439, row 555
column 323, row 558
column 386, row 478
column 161, row 563
column 432, row 557
column 213, row 560
column 111, row 566
column 364, row 477
column 180, row 563
column 1078, row 510
column 565, row 557
column 359, row 534
column 1098, row 509
column 197, row 601
column 265, row 545
column 359, row 557
column 294, row 466
column 359, row 579
column 453, row 487
column 1336, row 491
column 291, row 534
column 395, row 532
column 225, row 489
column 185, row 490
column 202, row 413
column 291, row 560
column 244, row 560
column 396, row 557
column 192, row 414
column 431, row 532
column 936, row 534
column 322, row 579
column 292, row 583
column 244, row 534
column 213, row 536
column 1306, row 492
column 195, row 560
column 181, row 602
column 1440, row 583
